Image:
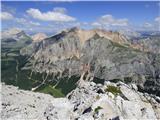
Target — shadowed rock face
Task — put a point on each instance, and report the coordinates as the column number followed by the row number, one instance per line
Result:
column 96, row 54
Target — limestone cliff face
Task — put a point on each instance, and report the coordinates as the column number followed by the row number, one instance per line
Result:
column 94, row 54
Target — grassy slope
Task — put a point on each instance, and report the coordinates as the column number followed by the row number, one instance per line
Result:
column 48, row 89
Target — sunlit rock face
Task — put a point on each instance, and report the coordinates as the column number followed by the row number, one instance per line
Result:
column 92, row 101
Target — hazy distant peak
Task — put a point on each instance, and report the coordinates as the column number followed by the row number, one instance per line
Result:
column 130, row 33
column 13, row 30
column 38, row 37
column 10, row 32
column 13, row 33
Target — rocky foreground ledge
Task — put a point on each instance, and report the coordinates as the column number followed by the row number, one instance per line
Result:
column 89, row 102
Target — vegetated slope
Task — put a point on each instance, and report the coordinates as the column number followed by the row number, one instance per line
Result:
column 94, row 54
column 11, row 60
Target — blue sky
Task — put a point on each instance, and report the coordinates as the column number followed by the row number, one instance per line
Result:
column 54, row 16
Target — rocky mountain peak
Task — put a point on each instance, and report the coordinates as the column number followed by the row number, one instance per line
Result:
column 85, row 35
column 39, row 37
column 12, row 31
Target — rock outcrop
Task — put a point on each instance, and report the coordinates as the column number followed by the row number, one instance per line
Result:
column 111, row 101
column 19, row 104
column 89, row 102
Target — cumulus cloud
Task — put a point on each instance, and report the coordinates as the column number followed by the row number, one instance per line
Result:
column 110, row 20
column 6, row 16
column 110, row 23
column 58, row 14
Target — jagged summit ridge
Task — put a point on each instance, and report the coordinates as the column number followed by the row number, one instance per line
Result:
column 87, row 34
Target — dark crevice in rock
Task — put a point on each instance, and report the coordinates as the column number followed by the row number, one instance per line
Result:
column 115, row 118
column 149, row 88
column 87, row 110
column 98, row 80
column 100, row 91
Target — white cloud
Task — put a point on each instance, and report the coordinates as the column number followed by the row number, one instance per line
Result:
column 152, row 26
column 157, row 19
column 96, row 24
column 60, row 10
column 111, row 21
column 27, row 22
column 147, row 25
column 35, row 23
column 6, row 16
column 56, row 15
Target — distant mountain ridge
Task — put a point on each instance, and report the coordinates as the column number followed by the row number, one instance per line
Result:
column 88, row 54
column 15, row 38
column 13, row 33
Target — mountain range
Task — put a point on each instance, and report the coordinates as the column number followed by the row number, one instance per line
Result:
column 76, row 62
